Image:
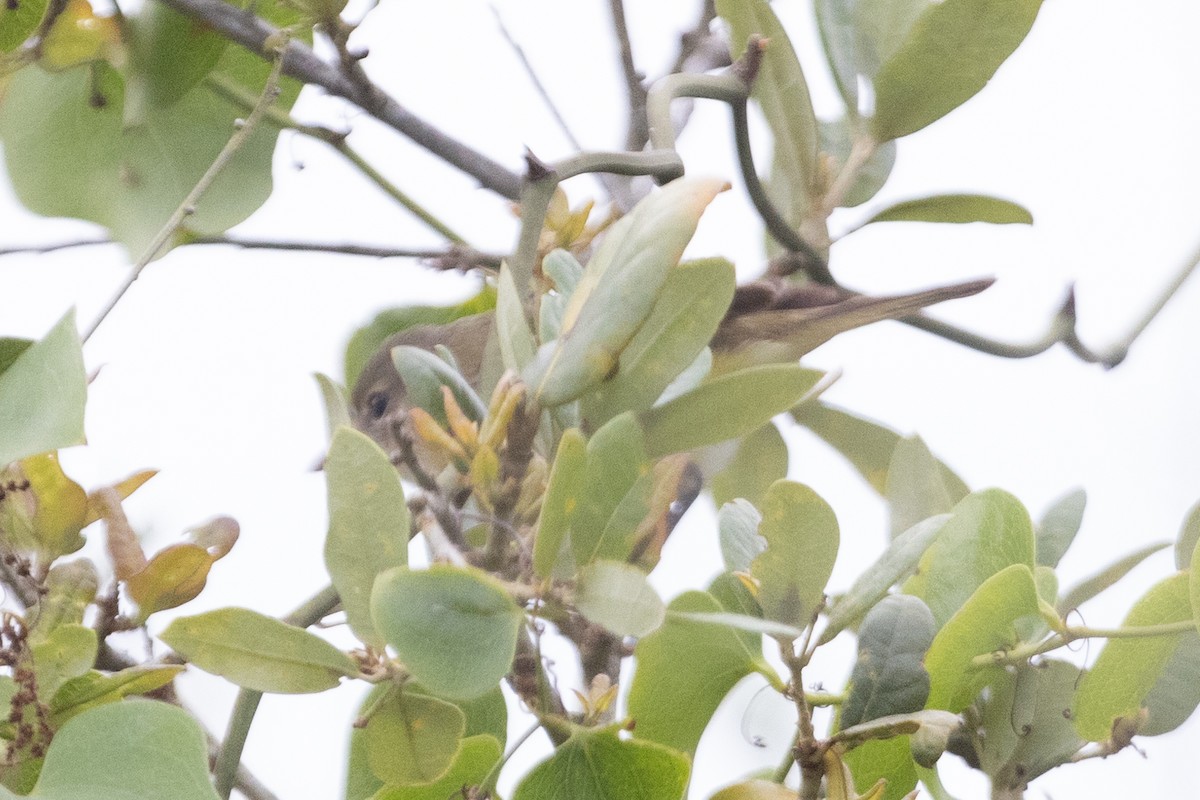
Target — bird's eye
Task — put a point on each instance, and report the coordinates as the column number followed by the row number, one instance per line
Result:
column 377, row 405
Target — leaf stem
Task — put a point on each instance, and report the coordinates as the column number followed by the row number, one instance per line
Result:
column 1023, row 653
column 489, row 782
column 240, row 136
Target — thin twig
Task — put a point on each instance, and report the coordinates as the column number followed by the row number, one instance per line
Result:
column 302, row 63
column 188, row 206
column 54, row 246
column 635, row 90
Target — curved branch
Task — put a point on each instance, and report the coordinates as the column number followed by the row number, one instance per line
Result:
column 302, row 63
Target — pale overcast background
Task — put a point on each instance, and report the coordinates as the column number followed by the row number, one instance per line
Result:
column 1093, row 125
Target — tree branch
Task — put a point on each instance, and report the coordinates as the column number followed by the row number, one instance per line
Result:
column 636, row 91
column 302, row 63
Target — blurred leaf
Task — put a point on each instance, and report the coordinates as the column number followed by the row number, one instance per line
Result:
column 724, row 408
column 517, row 345
column 618, row 597
column 78, row 36
column 413, row 738
column 367, row 339
column 1058, row 527
column 562, row 497
column 987, row 532
column 741, row 622
column 1127, row 670
column 123, row 489
column 96, row 688
column 691, row 377
column 1014, row 753
column 43, row 392
column 951, row 52
column 837, row 141
column 597, row 765
column 1089, row 588
column 756, row 789
column 61, row 506
column 737, row 527
column 424, row 376
column 889, row 759
column 455, row 629
column 11, row 348
column 802, row 543
column 336, row 402
column 865, row 444
column 684, row 670
column 171, row 54
column 956, row 208
column 616, row 459
column 691, row 305
column 782, row 93
column 18, row 21
column 258, row 652
column 1176, row 693
column 840, row 39
column 562, row 268
column 761, row 459
column 65, row 653
column 473, row 762
column 982, row 625
column 70, row 588
column 889, row 676
column 1189, row 536
column 87, row 143
column 897, row 562
column 368, row 525
column 172, row 577
column 915, row 488
column 136, row 750
column 618, row 290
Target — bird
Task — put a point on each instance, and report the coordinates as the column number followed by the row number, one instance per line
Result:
column 768, row 321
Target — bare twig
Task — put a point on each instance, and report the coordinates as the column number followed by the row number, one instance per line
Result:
column 635, row 90
column 302, row 63
column 52, row 247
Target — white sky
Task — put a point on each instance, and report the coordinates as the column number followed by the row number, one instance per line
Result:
column 1092, row 125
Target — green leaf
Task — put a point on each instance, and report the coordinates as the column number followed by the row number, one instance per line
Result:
column 1089, row 588
column 840, row 44
column 413, row 738
column 42, row 393
column 737, row 527
column 761, row 459
column 837, row 140
column 517, row 345
column 563, row 490
column 1058, row 527
column 889, row 676
column 691, row 305
column 1027, row 726
column 61, row 507
column 18, row 22
column 368, row 525
column 1127, row 669
column 455, row 629
column 562, row 268
column 741, row 622
column 171, row 54
column 135, row 750
column 684, row 670
column 951, row 52
column 782, row 93
column 915, row 488
column 619, row 288
column 86, row 143
column 897, row 562
column 336, row 401
column 618, row 597
column 988, row 531
column 955, row 208
column 473, row 762
column 10, row 349
column 1189, row 536
column 366, row 340
column 597, row 765
column 1176, row 694
column 96, row 689
column 70, row 588
column 890, row 759
column 616, row 459
column 725, row 408
column 802, row 543
column 865, row 444
column 982, row 625
column 67, row 652
column 756, row 789
column 425, row 374
column 258, row 652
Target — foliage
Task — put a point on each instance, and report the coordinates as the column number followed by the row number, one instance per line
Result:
column 605, row 403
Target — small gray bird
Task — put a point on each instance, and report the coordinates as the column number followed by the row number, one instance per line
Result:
column 769, row 321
